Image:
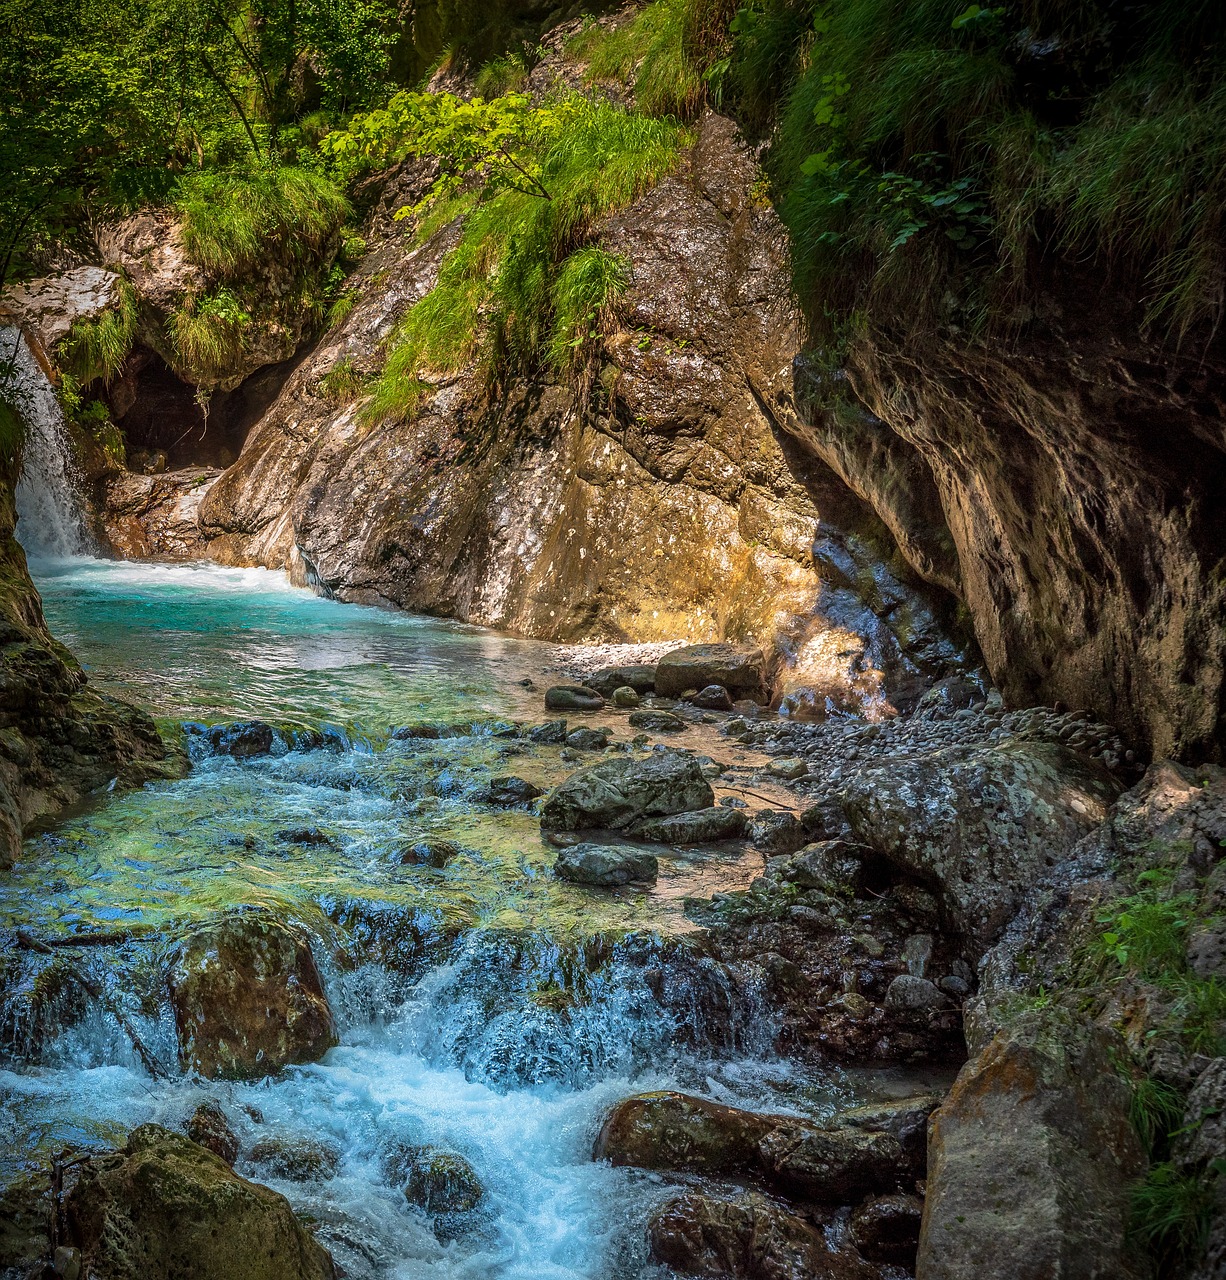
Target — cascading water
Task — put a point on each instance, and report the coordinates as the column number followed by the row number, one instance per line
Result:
column 49, row 520
column 482, row 1007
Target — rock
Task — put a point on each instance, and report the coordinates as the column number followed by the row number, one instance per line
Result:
column 832, row 865
column 25, row 1216
column 150, row 513
column 657, row 721
column 1207, row 949
column 954, row 987
column 209, row 1127
column 66, row 1262
column 1200, row 1143
column 247, row 998
column 788, row 770
column 303, row 835
column 551, row 732
column 296, row 1159
column 572, row 697
column 745, row 1236
column 678, row 1133
column 947, row 697
column 980, row 822
column 587, row 740
column 509, row 792
column 887, row 1229
column 606, row 865
column 49, row 307
column 242, row 739
column 906, row 1120
column 741, row 671
column 617, row 792
column 638, row 677
column 1032, row 1159
column 624, row 696
column 431, row 731
column 165, row 1207
column 714, row 697
column 430, row 853
column 917, row 952
column 442, row 1182
column 776, row 831
column 909, row 992
column 699, row 827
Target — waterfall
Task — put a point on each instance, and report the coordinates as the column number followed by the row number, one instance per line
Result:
column 49, row 520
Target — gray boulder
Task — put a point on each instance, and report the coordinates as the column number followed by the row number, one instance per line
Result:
column 656, row 721
column 606, row 865
column 740, row 670
column 572, row 697
column 617, row 792
column 637, row 676
column 699, row 827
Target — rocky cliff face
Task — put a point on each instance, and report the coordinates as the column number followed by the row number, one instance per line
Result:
column 1079, row 474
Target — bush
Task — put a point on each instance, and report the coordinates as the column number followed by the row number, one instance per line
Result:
column 96, row 349
column 209, row 335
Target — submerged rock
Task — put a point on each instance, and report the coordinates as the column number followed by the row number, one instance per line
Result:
column 1032, row 1159
column 614, row 793
column 741, row 671
column 165, row 1208
column 209, row 1127
column 698, row 827
column 296, row 1159
column 430, row 853
column 441, row 1181
column 656, row 721
column 572, row 697
column 606, row 865
column 247, row 998
column 746, row 1236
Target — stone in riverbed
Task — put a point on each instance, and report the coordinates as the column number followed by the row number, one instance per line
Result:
column 742, row 671
column 296, row 1159
column 615, row 793
column 1032, row 1159
column 584, row 739
column 165, row 1207
column 637, row 676
column 550, row 733
column 789, row 770
column 605, row 865
column 699, row 827
column 713, row 698
column 776, row 831
column 572, row 697
column 656, row 721
column 887, row 1228
column 247, row 998
column 745, row 1236
column 625, row 696
column 430, row 853
column 209, row 1127
column 442, row 1182
column 509, row 792
column 907, row 992
column 243, row 739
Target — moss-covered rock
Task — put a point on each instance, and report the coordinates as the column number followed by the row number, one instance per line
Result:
column 164, row 1208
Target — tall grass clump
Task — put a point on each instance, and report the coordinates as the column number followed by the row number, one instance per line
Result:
column 208, row 335
column 500, row 298
column 96, row 349
column 651, row 51
column 584, row 297
column 231, row 221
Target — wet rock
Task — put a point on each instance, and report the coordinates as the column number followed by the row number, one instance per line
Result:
column 617, row 792
column 208, row 1126
column 745, row 1236
column 247, row 998
column 789, row 770
column 585, row 739
column 572, row 697
column 909, row 992
column 430, row 731
column 831, row 865
column 917, row 952
column 509, row 792
column 242, row 739
column 982, row 823
column 430, row 853
column 741, row 671
column 551, row 732
column 442, row 1182
column 624, row 696
column 605, row 865
column 656, row 721
column 640, row 677
column 776, row 831
column 906, row 1120
column 887, row 1229
column 304, row 836
column 678, row 1133
column 714, row 697
column 700, row 827
column 164, row 1206
column 296, row 1159
column 25, row 1215
column 1032, row 1159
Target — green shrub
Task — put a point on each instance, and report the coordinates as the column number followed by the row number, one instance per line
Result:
column 1147, row 931
column 1170, row 1216
column 585, row 291
column 342, row 383
column 1156, row 1111
column 96, row 349
column 209, row 335
column 232, row 221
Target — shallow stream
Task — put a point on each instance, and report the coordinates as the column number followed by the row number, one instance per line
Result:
column 485, row 1007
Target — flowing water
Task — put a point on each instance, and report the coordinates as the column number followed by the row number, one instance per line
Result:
column 485, row 1008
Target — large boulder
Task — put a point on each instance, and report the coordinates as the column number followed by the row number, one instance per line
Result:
column 164, row 1208
column 737, row 668
column 49, row 307
column 746, row 1236
column 637, row 676
column 247, row 998
column 615, row 793
column 979, row 824
column 1032, row 1159
column 677, row 1133
column 605, row 864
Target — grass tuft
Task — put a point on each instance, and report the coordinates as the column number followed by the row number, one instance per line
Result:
column 209, row 335
column 584, row 297
column 96, row 349
column 1170, row 1216
column 342, row 384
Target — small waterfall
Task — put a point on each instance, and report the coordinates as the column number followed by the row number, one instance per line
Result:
column 49, row 520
